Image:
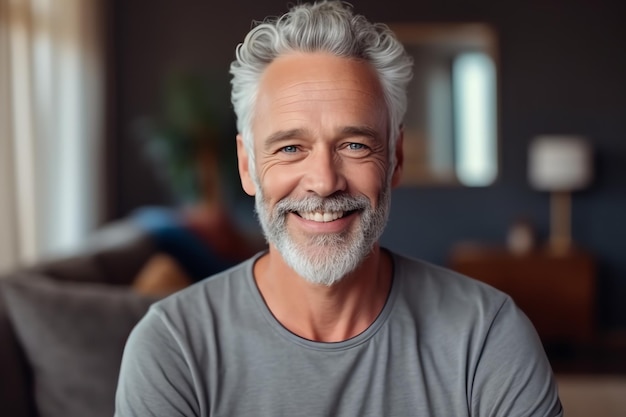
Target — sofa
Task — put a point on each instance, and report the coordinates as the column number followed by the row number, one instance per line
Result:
column 64, row 323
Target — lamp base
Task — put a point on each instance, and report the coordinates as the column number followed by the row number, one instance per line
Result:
column 560, row 222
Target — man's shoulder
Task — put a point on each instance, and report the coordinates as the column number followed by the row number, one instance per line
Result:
column 439, row 288
column 466, row 324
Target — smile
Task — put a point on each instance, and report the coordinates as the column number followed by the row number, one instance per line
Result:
column 321, row 217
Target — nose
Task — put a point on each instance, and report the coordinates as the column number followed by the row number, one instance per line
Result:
column 324, row 174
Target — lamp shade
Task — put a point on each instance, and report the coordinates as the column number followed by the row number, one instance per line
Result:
column 559, row 163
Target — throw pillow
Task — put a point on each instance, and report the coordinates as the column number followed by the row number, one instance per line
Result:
column 73, row 335
column 160, row 276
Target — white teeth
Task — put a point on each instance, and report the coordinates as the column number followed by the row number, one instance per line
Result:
column 325, row 217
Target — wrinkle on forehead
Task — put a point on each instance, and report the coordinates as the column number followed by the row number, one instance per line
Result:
column 294, row 102
column 327, row 90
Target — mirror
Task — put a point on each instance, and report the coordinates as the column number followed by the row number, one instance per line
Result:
column 451, row 124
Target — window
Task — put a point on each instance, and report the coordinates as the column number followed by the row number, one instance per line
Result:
column 451, row 122
column 51, row 89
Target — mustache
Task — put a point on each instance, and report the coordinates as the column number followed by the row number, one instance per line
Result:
column 336, row 202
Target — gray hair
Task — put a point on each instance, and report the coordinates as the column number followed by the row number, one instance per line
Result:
column 326, row 26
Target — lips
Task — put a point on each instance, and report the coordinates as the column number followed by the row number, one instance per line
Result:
column 321, row 216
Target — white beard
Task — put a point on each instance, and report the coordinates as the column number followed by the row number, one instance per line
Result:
column 324, row 259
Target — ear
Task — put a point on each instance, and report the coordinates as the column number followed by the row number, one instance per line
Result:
column 244, row 170
column 397, row 172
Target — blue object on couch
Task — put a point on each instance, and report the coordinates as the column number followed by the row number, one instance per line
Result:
column 172, row 236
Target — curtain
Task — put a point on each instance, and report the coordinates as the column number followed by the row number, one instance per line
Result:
column 51, row 123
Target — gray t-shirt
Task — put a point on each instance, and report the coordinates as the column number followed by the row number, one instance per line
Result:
column 443, row 345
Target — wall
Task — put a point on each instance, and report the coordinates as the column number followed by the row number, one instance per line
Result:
column 562, row 70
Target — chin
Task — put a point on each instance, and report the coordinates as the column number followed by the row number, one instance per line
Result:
column 324, row 264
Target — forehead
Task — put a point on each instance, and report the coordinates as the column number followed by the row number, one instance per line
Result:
column 319, row 85
column 290, row 70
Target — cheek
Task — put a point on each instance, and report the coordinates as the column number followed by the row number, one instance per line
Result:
column 276, row 183
column 369, row 182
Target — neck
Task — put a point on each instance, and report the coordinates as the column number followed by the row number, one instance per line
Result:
column 321, row 313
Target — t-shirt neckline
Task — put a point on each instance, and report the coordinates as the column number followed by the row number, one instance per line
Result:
column 357, row 340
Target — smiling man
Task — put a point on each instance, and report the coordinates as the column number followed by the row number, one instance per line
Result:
column 326, row 322
column 322, row 180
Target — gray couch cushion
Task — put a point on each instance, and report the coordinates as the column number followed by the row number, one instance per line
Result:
column 73, row 335
column 15, row 385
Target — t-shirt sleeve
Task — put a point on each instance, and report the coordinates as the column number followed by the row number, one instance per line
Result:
column 513, row 376
column 155, row 376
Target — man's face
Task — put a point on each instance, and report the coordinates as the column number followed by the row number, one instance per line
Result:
column 322, row 182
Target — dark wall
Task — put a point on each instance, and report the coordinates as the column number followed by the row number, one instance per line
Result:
column 562, row 70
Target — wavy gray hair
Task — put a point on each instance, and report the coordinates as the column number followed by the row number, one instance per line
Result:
column 326, row 26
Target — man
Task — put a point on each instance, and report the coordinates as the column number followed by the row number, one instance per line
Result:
column 326, row 322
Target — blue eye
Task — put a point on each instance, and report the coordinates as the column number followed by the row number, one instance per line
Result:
column 356, row 146
column 289, row 149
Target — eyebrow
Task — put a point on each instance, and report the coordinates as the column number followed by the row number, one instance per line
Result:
column 360, row 131
column 347, row 131
column 283, row 135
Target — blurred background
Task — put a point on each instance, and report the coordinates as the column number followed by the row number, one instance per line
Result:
column 103, row 102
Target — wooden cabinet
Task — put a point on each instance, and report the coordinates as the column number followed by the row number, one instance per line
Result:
column 557, row 292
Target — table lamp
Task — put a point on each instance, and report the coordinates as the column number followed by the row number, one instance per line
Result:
column 559, row 164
